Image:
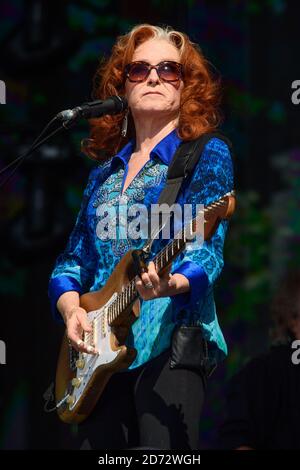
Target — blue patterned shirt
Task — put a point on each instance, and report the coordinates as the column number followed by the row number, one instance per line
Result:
column 88, row 261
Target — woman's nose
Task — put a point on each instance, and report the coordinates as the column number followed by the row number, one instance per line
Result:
column 153, row 76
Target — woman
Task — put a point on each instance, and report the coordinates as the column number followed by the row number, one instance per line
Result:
column 172, row 97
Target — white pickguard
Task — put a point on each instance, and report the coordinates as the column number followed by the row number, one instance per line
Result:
column 102, row 343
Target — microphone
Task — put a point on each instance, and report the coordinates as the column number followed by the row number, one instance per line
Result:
column 93, row 109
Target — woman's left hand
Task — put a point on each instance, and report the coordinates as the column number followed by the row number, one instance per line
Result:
column 151, row 286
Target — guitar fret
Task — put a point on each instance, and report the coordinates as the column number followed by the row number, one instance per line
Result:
column 129, row 293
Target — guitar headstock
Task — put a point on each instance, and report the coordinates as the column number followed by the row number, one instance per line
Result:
column 214, row 212
column 223, row 208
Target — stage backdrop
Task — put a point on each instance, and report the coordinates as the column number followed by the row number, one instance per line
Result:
column 49, row 53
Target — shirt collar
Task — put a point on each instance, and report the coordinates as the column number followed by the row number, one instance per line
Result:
column 164, row 150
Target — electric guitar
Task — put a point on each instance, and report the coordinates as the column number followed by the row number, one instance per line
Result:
column 81, row 377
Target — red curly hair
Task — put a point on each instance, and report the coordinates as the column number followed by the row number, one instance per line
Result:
column 199, row 100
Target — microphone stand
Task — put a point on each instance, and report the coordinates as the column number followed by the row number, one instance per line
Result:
column 112, row 105
column 39, row 226
column 36, row 144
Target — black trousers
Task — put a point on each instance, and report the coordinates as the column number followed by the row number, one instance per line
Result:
column 151, row 406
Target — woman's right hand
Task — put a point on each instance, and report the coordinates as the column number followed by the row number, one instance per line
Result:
column 77, row 322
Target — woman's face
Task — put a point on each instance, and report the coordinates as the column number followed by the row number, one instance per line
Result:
column 154, row 95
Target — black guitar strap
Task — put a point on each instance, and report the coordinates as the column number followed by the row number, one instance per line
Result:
column 183, row 164
column 181, row 168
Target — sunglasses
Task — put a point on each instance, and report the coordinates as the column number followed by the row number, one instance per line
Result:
column 167, row 71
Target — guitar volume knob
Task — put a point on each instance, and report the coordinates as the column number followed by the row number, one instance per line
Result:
column 80, row 363
column 70, row 400
column 76, row 382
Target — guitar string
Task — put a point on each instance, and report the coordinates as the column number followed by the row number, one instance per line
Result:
column 121, row 302
column 127, row 295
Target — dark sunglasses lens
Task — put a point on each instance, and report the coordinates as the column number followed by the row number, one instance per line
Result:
column 137, row 72
column 169, row 72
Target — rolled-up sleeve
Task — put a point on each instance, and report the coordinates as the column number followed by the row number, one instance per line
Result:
column 201, row 265
column 74, row 268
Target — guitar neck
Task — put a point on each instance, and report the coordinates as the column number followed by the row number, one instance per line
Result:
column 169, row 253
column 161, row 261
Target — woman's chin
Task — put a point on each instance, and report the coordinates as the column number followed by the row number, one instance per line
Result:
column 153, row 108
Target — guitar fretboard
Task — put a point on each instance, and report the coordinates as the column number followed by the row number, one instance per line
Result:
column 129, row 293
